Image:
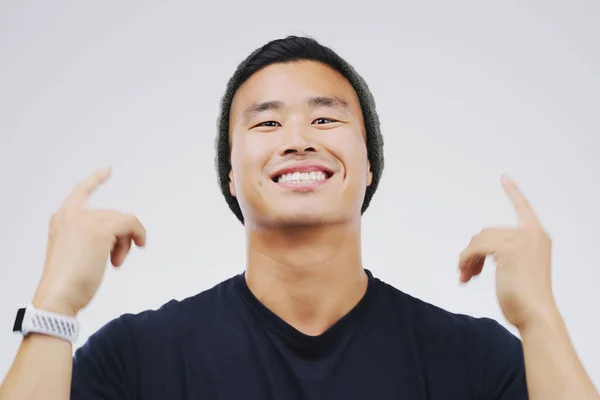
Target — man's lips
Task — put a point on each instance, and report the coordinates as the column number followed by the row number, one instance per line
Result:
column 302, row 186
column 303, row 168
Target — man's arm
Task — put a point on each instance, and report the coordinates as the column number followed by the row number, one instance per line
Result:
column 41, row 370
column 43, row 365
column 103, row 368
column 551, row 363
column 524, row 291
column 79, row 243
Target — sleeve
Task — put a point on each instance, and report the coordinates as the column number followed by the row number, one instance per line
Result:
column 503, row 365
column 104, row 367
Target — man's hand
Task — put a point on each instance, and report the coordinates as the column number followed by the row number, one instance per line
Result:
column 522, row 256
column 524, row 290
column 79, row 243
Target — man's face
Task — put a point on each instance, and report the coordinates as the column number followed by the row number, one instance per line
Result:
column 298, row 150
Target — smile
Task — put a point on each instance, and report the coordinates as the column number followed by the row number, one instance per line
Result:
column 299, row 178
column 302, row 177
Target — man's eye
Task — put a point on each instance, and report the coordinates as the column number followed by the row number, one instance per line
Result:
column 321, row 121
column 269, row 124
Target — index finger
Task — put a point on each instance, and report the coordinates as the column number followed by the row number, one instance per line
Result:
column 84, row 189
column 525, row 213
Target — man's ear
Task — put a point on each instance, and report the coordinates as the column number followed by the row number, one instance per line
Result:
column 231, row 185
column 369, row 173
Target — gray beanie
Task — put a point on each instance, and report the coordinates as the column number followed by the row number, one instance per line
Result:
column 292, row 49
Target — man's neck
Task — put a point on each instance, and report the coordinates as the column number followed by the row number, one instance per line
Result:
column 309, row 277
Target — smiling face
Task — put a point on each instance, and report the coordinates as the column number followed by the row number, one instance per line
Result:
column 298, row 150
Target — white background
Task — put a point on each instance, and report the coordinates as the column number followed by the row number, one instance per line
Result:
column 466, row 90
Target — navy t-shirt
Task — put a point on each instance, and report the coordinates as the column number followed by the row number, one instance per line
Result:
column 225, row 344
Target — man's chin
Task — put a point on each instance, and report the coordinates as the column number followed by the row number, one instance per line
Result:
column 305, row 218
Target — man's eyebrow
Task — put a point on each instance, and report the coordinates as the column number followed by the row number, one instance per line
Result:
column 326, row 101
column 313, row 102
column 258, row 108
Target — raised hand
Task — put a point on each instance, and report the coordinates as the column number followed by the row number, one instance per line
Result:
column 79, row 243
column 522, row 256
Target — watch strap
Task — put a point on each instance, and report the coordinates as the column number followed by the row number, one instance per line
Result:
column 31, row 320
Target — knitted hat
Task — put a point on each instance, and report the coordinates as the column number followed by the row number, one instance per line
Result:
column 293, row 49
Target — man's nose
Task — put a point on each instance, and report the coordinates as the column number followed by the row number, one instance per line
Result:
column 298, row 140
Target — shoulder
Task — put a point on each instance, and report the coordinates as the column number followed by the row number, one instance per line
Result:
column 431, row 321
column 108, row 363
column 120, row 337
column 204, row 307
column 493, row 354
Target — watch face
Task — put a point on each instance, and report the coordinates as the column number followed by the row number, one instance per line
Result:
column 19, row 320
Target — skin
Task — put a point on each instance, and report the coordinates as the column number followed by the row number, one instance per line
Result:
column 524, row 290
column 303, row 248
column 301, row 245
column 80, row 242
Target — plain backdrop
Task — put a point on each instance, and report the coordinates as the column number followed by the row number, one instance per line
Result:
column 466, row 90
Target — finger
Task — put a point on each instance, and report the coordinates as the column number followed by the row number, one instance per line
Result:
column 120, row 224
column 120, row 251
column 484, row 243
column 473, row 267
column 525, row 213
column 128, row 225
column 472, row 254
column 82, row 192
column 477, row 265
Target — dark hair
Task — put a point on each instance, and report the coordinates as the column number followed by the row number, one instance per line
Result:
column 292, row 49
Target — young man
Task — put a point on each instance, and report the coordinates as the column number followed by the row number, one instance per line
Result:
column 299, row 157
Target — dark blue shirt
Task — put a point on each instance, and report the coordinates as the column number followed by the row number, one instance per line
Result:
column 224, row 344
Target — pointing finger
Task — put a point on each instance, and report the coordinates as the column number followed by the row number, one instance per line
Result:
column 525, row 213
column 82, row 192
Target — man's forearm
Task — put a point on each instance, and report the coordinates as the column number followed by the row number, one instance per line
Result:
column 43, row 365
column 552, row 367
column 41, row 370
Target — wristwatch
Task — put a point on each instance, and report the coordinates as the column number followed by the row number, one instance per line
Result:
column 31, row 320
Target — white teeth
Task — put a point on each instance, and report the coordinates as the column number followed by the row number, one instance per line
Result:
column 302, row 177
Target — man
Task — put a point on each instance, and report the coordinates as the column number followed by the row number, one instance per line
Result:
column 299, row 157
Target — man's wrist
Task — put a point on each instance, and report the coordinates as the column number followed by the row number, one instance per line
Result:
column 55, row 304
column 547, row 318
